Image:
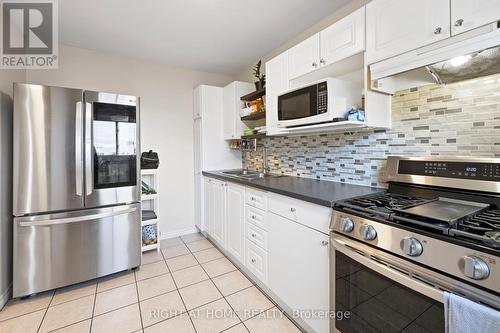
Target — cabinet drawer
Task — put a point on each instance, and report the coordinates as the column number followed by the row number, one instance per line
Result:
column 256, row 198
column 256, row 216
column 257, row 261
column 311, row 215
column 256, row 235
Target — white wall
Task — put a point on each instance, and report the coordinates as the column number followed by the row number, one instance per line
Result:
column 166, row 115
column 245, row 74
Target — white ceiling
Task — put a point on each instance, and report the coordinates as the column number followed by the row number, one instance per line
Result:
column 220, row 36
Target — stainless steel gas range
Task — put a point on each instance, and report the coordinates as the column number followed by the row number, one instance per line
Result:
column 394, row 254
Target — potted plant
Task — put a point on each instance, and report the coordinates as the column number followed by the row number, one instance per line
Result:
column 261, row 77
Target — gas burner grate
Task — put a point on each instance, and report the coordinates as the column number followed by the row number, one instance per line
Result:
column 381, row 204
column 484, row 226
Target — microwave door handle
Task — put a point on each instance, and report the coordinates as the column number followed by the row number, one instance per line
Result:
column 78, row 148
column 88, row 149
column 390, row 273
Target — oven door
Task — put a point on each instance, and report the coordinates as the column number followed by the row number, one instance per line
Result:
column 112, row 165
column 301, row 107
column 373, row 291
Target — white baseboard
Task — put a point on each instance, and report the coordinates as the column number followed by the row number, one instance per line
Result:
column 177, row 233
column 5, row 296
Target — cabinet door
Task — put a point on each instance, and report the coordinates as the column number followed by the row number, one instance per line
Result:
column 235, row 216
column 219, row 212
column 304, row 57
column 228, row 115
column 397, row 26
column 276, row 83
column 344, row 38
column 470, row 14
column 208, row 205
column 298, row 267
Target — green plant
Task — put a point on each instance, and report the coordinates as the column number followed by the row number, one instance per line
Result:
column 256, row 72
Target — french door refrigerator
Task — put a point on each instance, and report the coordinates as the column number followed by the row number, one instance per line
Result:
column 76, row 193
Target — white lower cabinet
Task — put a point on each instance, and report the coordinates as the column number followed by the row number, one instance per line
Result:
column 217, row 211
column 256, row 261
column 235, row 221
column 284, row 253
column 299, row 269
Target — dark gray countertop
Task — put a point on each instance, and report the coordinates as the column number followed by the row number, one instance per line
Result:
column 320, row 192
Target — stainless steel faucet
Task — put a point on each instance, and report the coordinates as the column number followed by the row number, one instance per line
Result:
column 265, row 165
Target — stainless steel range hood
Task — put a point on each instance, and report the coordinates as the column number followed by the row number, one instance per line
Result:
column 462, row 57
column 465, row 67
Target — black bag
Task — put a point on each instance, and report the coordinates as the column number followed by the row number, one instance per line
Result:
column 149, row 160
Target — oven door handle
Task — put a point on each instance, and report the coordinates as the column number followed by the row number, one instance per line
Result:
column 403, row 279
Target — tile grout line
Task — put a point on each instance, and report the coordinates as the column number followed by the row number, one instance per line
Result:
column 76, row 322
column 180, row 295
column 275, row 305
column 223, row 297
column 139, row 300
column 93, row 309
column 46, row 310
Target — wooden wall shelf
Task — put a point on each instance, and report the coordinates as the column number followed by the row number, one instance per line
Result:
column 254, row 95
column 254, row 116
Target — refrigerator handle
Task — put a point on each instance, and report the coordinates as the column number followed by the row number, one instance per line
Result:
column 78, row 149
column 49, row 222
column 88, row 149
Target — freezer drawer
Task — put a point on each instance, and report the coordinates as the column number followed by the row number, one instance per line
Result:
column 51, row 251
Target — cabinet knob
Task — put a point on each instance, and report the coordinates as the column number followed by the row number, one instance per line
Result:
column 252, row 198
column 324, row 243
column 293, row 210
column 459, row 22
column 437, row 31
column 322, row 61
column 254, row 235
column 314, row 64
column 253, row 261
column 253, row 217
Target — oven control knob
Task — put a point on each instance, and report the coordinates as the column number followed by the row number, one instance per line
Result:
column 368, row 232
column 411, row 246
column 475, row 268
column 346, row 224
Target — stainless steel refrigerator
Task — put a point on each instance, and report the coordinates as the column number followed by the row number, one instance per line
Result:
column 76, row 186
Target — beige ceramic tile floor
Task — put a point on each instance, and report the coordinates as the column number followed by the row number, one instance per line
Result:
column 188, row 287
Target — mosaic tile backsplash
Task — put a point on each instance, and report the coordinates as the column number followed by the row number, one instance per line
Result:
column 460, row 119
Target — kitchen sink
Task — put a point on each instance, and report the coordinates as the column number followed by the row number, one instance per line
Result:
column 244, row 174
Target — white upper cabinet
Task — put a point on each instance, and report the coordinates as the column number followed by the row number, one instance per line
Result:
column 233, row 127
column 397, row 26
column 304, row 57
column 276, row 83
column 344, row 38
column 470, row 14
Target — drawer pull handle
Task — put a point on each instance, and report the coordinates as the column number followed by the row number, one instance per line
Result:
column 324, row 243
column 293, row 210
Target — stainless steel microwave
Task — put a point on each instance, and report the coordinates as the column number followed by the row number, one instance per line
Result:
column 321, row 102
